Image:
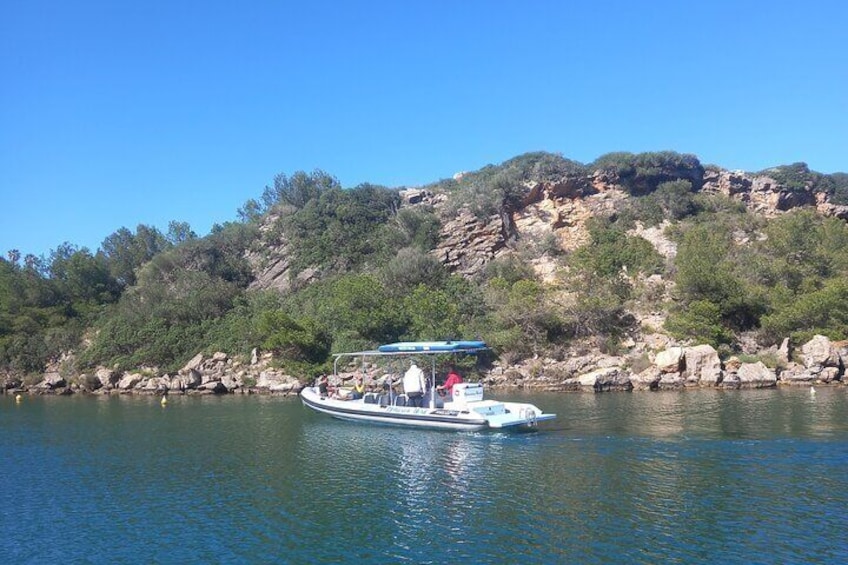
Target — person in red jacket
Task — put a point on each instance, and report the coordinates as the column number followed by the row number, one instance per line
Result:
column 453, row 378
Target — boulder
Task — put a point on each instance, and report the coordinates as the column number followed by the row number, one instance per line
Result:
column 606, row 379
column 232, row 382
column 192, row 365
column 649, row 379
column 10, row 382
column 756, row 375
column 291, row 386
column 107, row 377
column 174, row 383
column 214, row 386
column 51, row 381
column 703, row 366
column 187, row 381
column 270, row 378
column 796, row 374
column 819, row 351
column 129, row 381
column 670, row 360
column 89, row 382
column 829, row 374
column 670, row 381
column 730, row 380
column 732, row 365
column 191, row 379
column 156, row 383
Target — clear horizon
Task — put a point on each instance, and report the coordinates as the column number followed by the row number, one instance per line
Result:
column 116, row 115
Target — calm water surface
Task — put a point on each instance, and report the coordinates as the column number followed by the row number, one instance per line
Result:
column 691, row 477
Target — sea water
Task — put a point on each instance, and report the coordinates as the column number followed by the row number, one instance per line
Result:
column 672, row 477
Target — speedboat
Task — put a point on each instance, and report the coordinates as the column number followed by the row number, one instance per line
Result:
column 465, row 410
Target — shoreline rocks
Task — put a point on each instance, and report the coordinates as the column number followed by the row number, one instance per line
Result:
column 819, row 362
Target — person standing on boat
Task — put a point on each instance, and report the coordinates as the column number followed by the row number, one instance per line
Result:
column 323, row 386
column 413, row 385
column 453, row 378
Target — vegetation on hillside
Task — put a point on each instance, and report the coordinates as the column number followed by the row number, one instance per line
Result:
column 152, row 299
column 798, row 177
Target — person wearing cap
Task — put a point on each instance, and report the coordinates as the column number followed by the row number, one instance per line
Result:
column 413, row 385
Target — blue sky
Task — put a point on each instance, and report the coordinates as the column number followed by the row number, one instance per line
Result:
column 114, row 114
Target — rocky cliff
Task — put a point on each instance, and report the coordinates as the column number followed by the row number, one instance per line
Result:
column 555, row 210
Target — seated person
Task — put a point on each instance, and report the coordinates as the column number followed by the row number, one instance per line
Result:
column 358, row 390
column 413, row 385
column 325, row 390
column 453, row 378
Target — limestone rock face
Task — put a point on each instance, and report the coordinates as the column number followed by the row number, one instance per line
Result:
column 686, row 169
column 467, row 244
column 656, row 236
column 760, row 193
column 412, row 196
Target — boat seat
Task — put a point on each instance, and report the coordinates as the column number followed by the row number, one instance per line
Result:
column 371, row 398
column 401, row 400
column 384, row 400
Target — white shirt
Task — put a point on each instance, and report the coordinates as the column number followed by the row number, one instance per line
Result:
column 413, row 380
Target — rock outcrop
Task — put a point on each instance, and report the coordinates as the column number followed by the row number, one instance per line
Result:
column 467, row 243
column 761, row 194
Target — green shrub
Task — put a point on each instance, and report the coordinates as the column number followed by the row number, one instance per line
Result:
column 699, row 321
column 642, row 173
column 611, row 250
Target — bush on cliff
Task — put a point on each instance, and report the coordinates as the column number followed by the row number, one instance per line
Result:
column 672, row 201
column 495, row 188
column 798, row 177
column 823, row 311
column 610, row 250
column 642, row 173
column 707, row 280
column 341, row 229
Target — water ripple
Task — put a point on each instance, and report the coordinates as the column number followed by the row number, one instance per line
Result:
column 673, row 478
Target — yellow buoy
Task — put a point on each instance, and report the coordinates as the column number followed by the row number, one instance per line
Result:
column 164, row 401
column 18, row 398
